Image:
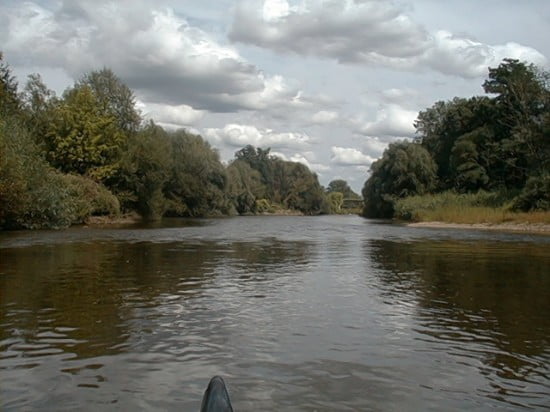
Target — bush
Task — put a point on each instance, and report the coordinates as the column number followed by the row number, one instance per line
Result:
column 535, row 195
column 420, row 207
column 89, row 198
column 33, row 195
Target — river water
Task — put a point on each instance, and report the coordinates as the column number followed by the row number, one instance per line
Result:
column 333, row 313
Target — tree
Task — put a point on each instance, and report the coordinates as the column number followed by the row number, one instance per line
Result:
column 39, row 106
column 440, row 126
column 523, row 104
column 145, row 169
column 114, row 98
column 9, row 101
column 342, row 186
column 244, row 186
column 82, row 139
column 197, row 185
column 405, row 169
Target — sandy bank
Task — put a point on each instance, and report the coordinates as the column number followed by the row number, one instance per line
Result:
column 541, row 228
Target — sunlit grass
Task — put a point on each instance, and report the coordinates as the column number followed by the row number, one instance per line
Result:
column 482, row 207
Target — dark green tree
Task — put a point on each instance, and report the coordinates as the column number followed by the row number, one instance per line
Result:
column 405, row 169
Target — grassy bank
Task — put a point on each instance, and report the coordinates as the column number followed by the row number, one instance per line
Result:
column 478, row 208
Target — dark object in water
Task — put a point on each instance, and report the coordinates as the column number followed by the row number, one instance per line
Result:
column 216, row 398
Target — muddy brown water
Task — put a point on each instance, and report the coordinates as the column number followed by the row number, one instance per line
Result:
column 332, row 313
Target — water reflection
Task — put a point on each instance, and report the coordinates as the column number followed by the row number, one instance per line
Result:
column 485, row 301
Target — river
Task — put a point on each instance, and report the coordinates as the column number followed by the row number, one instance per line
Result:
column 333, row 313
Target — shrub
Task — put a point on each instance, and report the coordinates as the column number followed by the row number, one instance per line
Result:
column 535, row 195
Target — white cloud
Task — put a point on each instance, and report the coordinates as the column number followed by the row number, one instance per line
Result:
column 374, row 146
column 156, row 52
column 324, row 117
column 345, row 30
column 175, row 116
column 461, row 56
column 238, row 135
column 350, row 157
column 370, row 32
column 392, row 121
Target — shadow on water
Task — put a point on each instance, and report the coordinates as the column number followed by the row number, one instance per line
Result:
column 479, row 301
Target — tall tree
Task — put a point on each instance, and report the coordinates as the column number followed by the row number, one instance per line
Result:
column 405, row 169
column 114, row 98
column 82, row 139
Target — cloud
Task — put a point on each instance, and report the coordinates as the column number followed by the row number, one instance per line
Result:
column 324, row 117
column 369, row 32
column 173, row 116
column 392, row 121
column 461, row 56
column 347, row 156
column 238, row 135
column 156, row 52
column 344, row 30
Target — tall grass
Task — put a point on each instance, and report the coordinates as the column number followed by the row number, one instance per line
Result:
column 481, row 207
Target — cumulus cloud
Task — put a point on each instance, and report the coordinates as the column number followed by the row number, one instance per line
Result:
column 156, row 52
column 345, row 30
column 324, row 117
column 392, row 121
column 371, row 32
column 238, row 135
column 461, row 56
column 173, row 116
column 348, row 156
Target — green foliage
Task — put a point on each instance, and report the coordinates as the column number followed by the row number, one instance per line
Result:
column 497, row 143
column 405, row 169
column 9, row 101
column 89, row 198
column 145, row 169
column 342, row 186
column 197, row 185
column 114, row 98
column 83, row 140
column 335, row 200
column 39, row 107
column 418, row 207
column 289, row 184
column 32, row 194
column 535, row 195
column 244, row 186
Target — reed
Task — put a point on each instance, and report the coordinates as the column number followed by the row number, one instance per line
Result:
column 450, row 207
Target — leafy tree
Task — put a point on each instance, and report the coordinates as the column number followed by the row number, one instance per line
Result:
column 405, row 169
column 523, row 104
column 9, row 101
column 198, row 180
column 39, row 107
column 244, row 186
column 145, row 169
column 83, row 140
column 114, row 98
column 340, row 185
column 335, row 200
column 439, row 128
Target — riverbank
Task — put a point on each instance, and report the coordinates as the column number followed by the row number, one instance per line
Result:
column 125, row 219
column 538, row 228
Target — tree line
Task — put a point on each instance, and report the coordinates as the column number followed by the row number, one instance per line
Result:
column 499, row 143
column 90, row 152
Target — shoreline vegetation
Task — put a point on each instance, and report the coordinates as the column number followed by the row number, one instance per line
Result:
column 481, row 162
column 90, row 157
column 525, row 227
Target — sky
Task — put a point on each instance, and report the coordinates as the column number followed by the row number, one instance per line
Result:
column 326, row 83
